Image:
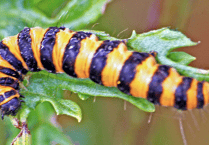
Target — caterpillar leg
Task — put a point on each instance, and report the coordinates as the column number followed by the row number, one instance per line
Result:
column 153, row 53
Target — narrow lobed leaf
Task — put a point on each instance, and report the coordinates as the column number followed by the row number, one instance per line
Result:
column 181, row 57
column 163, row 41
column 47, row 87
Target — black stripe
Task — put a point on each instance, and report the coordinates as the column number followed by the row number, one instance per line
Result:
column 71, row 51
column 6, row 81
column 9, row 93
column 200, row 97
column 62, row 28
column 8, row 56
column 47, row 45
column 12, row 106
column 11, row 72
column 99, row 59
column 155, row 86
column 181, row 93
column 1, row 98
column 128, row 71
column 24, row 42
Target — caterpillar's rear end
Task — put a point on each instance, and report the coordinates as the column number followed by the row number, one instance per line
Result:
column 82, row 55
column 9, row 86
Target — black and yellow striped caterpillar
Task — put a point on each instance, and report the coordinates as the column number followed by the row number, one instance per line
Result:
column 82, row 55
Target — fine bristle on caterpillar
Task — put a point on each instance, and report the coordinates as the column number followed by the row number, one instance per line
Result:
column 109, row 63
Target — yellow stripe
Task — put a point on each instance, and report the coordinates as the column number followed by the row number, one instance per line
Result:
column 192, row 95
column 12, row 44
column 89, row 45
column 3, row 75
column 144, row 73
column 6, row 64
column 206, row 92
column 10, row 98
column 169, row 86
column 37, row 35
column 114, row 64
column 62, row 39
column 4, row 89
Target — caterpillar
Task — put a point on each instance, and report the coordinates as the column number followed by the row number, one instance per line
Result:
column 109, row 63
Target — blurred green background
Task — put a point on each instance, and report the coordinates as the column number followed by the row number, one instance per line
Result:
column 105, row 122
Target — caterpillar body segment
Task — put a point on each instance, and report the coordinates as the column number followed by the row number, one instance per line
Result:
column 82, row 55
column 10, row 102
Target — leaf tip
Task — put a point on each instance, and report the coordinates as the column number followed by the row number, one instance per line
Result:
column 83, row 96
column 79, row 119
column 104, row 6
column 133, row 35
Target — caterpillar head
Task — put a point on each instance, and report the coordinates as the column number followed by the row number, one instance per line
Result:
column 9, row 107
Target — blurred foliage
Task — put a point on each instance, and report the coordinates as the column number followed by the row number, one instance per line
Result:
column 45, row 87
column 74, row 14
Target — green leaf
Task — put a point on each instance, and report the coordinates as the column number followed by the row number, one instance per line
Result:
column 181, row 57
column 42, row 89
column 66, row 107
column 163, row 41
column 74, row 14
column 45, row 86
column 23, row 113
column 83, row 96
